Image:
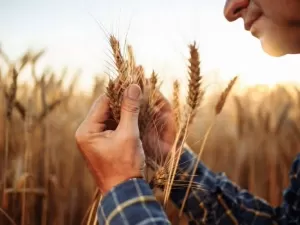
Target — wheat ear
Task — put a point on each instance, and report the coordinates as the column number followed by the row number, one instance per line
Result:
column 131, row 58
column 195, row 94
column 176, row 103
column 119, row 60
column 224, row 95
column 115, row 87
column 123, row 78
column 148, row 114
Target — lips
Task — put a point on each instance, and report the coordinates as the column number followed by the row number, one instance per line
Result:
column 250, row 20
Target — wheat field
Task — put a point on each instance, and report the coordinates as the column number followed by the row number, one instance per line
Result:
column 44, row 179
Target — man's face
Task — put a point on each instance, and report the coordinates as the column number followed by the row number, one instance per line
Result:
column 276, row 23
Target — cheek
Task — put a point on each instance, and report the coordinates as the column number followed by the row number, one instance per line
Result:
column 281, row 12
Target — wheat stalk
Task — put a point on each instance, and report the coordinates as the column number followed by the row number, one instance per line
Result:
column 194, row 98
column 8, row 122
column 164, row 175
column 218, row 108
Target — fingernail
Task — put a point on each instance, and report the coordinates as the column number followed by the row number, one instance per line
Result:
column 134, row 92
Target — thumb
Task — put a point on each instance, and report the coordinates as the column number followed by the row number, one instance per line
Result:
column 130, row 108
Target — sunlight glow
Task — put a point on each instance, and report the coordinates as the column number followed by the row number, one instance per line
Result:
column 159, row 33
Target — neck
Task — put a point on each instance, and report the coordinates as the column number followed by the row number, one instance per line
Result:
column 293, row 41
column 295, row 47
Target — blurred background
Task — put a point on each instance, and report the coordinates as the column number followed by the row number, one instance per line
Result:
column 55, row 59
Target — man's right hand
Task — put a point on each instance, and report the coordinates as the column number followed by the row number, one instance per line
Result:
column 113, row 156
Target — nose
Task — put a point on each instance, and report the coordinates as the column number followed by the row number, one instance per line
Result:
column 233, row 9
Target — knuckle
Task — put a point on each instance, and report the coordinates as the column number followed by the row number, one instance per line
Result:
column 80, row 137
column 99, row 101
column 130, row 106
column 129, row 138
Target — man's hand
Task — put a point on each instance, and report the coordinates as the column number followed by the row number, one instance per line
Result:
column 113, row 156
column 160, row 135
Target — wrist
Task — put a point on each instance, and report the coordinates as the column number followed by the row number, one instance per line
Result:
column 179, row 145
column 134, row 191
column 107, row 185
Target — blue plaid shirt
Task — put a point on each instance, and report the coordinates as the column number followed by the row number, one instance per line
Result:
column 221, row 201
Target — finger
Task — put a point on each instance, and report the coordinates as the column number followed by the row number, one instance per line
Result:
column 130, row 108
column 99, row 111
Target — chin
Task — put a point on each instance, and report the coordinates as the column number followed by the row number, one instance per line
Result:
column 279, row 45
column 273, row 48
column 271, row 52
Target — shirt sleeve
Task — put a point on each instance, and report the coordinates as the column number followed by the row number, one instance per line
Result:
column 131, row 203
column 214, row 199
column 289, row 211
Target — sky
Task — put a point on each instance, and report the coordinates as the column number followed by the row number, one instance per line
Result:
column 74, row 34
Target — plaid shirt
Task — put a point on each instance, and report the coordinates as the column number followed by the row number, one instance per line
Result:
column 219, row 202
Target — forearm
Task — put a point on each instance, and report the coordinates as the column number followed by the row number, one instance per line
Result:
column 198, row 205
column 214, row 199
column 131, row 202
column 290, row 209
